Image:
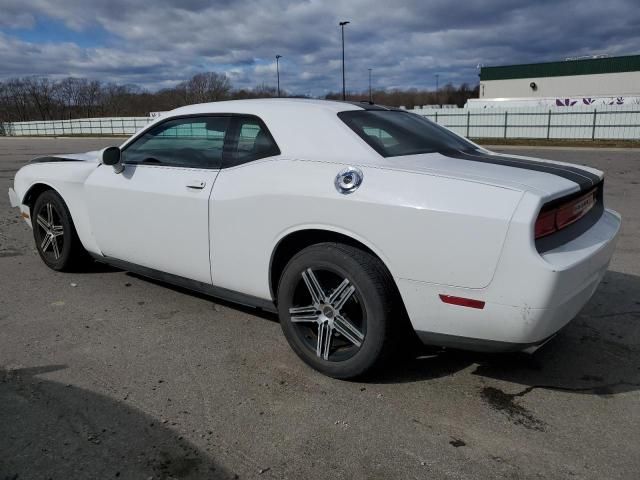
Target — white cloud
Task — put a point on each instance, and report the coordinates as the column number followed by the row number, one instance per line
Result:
column 157, row 42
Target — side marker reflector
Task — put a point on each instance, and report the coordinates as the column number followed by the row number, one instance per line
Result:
column 462, row 302
column 24, row 215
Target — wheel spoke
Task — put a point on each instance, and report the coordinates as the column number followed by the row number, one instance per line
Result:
column 56, row 250
column 324, row 340
column 338, row 291
column 46, row 242
column 50, row 214
column 57, row 230
column 348, row 330
column 317, row 294
column 345, row 294
column 42, row 222
column 304, row 314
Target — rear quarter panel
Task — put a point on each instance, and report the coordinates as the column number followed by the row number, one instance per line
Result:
column 424, row 227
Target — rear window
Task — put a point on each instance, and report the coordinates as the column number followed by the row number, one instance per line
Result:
column 393, row 133
column 252, row 142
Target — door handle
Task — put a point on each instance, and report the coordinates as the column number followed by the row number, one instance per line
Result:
column 196, row 185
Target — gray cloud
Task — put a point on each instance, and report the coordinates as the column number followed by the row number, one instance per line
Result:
column 156, row 43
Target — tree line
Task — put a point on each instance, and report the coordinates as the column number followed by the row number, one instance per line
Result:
column 413, row 97
column 42, row 98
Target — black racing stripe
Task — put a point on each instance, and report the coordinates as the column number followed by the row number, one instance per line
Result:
column 580, row 171
column 54, row 159
column 583, row 178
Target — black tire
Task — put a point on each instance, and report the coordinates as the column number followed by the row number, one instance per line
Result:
column 370, row 310
column 64, row 251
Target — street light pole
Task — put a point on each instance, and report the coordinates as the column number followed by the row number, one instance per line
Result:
column 437, row 88
column 370, row 94
column 278, row 57
column 344, row 91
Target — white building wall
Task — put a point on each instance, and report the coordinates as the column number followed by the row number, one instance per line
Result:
column 605, row 84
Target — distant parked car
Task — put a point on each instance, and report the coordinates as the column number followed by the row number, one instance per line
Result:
column 345, row 219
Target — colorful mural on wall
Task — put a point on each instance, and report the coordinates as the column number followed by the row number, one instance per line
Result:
column 568, row 102
column 565, row 102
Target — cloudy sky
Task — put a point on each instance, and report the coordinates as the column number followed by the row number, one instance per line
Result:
column 156, row 43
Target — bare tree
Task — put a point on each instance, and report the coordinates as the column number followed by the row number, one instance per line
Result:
column 69, row 94
column 206, row 87
column 90, row 94
column 18, row 99
column 41, row 95
column 39, row 98
column 410, row 98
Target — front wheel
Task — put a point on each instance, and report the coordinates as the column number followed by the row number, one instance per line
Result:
column 336, row 305
column 54, row 233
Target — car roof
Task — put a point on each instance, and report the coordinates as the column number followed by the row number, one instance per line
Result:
column 267, row 105
column 299, row 126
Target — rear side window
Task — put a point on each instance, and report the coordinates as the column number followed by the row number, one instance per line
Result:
column 194, row 142
column 252, row 141
column 393, row 133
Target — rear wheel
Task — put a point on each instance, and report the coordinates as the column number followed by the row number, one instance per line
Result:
column 335, row 305
column 54, row 233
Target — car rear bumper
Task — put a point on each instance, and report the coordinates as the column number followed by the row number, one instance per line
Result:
column 526, row 303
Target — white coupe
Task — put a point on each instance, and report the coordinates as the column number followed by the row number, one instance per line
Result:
column 356, row 223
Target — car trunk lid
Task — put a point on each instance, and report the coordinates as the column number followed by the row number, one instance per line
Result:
column 548, row 178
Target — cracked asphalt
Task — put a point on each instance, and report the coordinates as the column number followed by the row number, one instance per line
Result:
column 108, row 375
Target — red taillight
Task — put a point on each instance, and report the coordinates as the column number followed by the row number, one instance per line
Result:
column 546, row 223
column 553, row 220
column 461, row 301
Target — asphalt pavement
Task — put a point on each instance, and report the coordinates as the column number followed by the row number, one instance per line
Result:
column 106, row 374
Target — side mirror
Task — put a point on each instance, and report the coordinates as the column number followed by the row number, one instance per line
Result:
column 111, row 156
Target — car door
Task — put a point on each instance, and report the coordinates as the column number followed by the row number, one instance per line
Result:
column 155, row 213
column 234, row 257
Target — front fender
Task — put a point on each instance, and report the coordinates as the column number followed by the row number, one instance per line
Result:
column 67, row 179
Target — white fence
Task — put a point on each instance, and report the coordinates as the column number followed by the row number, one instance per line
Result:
column 610, row 122
column 82, row 126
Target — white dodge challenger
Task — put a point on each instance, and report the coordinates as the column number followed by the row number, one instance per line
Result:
column 354, row 222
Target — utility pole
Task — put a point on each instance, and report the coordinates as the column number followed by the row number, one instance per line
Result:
column 437, row 88
column 278, row 57
column 344, row 90
column 370, row 94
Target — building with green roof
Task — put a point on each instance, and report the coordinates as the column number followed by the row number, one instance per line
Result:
column 581, row 78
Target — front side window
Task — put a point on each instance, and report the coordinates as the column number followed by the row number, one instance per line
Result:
column 393, row 133
column 196, row 142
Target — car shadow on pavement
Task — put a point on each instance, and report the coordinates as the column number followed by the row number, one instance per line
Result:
column 52, row 430
column 93, row 266
column 258, row 312
column 598, row 353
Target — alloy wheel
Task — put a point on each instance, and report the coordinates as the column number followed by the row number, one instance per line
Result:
column 51, row 231
column 329, row 316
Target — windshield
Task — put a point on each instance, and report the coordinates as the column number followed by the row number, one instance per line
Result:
column 393, row 133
